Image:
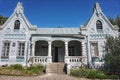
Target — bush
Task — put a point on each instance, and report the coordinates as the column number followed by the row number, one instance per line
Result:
column 92, row 74
column 16, row 66
column 112, row 56
column 79, row 72
column 4, row 65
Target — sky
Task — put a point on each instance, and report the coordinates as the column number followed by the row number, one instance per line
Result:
column 63, row 13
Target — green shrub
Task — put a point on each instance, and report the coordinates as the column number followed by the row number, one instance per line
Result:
column 4, row 65
column 92, row 74
column 80, row 72
column 16, row 66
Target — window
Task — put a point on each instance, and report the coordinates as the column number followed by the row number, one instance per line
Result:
column 6, row 49
column 13, row 44
column 17, row 24
column 98, row 24
column 94, row 49
column 21, row 49
column 71, row 51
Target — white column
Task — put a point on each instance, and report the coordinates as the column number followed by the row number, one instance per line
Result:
column 49, row 59
column 84, row 49
column 84, row 53
column 88, row 54
column 33, row 49
column 49, row 49
column 66, row 48
column 66, row 53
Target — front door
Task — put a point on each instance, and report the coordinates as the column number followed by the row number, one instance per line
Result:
column 56, row 54
column 58, row 51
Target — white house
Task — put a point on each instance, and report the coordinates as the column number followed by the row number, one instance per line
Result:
column 23, row 43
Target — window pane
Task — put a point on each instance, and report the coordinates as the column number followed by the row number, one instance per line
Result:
column 17, row 24
column 5, row 49
column 71, row 51
column 98, row 24
column 21, row 49
column 94, row 50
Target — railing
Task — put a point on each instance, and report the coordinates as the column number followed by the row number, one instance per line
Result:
column 76, row 59
column 97, row 65
column 38, row 59
column 44, row 59
column 76, row 62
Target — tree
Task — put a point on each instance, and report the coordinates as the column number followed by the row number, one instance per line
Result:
column 117, row 21
column 2, row 19
column 112, row 20
column 112, row 56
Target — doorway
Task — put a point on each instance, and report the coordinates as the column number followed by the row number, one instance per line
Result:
column 58, row 51
column 56, row 54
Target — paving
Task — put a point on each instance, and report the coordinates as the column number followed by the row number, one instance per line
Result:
column 42, row 77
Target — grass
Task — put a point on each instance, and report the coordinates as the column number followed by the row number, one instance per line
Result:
column 19, row 70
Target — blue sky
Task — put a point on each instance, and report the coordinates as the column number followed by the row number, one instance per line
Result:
column 64, row 13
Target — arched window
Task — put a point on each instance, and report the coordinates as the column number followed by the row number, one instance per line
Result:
column 98, row 24
column 17, row 24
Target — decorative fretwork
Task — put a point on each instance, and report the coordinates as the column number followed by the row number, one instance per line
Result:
column 15, row 36
column 99, row 36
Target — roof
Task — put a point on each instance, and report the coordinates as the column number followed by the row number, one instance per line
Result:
column 57, row 31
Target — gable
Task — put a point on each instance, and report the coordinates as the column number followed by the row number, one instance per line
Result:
column 98, row 15
column 18, row 15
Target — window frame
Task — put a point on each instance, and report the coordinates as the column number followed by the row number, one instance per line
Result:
column 5, row 49
column 21, row 50
column 94, row 52
column 17, row 24
column 99, row 25
column 71, row 51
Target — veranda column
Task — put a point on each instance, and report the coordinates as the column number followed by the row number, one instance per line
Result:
column 33, row 53
column 66, row 53
column 84, row 55
column 66, row 48
column 33, row 49
column 49, row 52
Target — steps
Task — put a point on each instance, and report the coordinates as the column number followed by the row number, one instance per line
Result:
column 56, row 68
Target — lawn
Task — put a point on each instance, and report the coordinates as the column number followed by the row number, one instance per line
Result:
column 19, row 70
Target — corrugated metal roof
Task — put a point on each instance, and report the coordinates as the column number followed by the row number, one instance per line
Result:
column 57, row 31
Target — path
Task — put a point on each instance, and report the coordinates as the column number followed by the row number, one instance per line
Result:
column 42, row 77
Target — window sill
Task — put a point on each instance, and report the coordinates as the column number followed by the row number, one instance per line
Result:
column 20, row 57
column 4, row 59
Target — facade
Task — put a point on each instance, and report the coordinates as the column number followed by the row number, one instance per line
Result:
column 23, row 43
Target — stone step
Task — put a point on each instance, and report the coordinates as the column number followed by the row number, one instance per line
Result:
column 57, row 68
